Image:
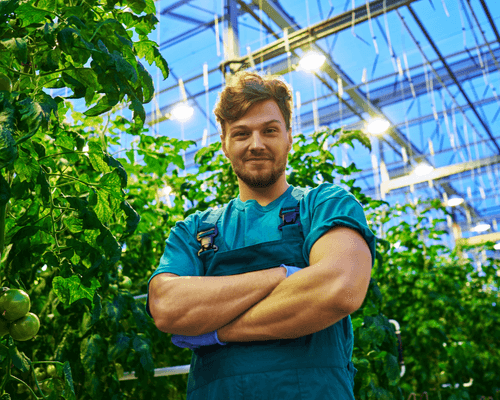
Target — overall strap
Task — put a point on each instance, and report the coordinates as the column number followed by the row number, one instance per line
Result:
column 290, row 212
column 207, row 230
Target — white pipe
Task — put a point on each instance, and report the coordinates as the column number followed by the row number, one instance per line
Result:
column 396, row 325
column 180, row 369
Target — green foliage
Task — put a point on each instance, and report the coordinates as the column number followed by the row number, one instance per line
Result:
column 82, row 229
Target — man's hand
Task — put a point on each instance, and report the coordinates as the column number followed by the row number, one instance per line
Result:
column 195, row 342
column 290, row 269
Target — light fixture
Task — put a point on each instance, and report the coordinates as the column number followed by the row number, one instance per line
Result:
column 423, row 169
column 182, row 112
column 377, row 126
column 481, row 227
column 311, row 61
column 454, row 201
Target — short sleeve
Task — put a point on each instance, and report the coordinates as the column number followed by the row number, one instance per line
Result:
column 181, row 251
column 334, row 206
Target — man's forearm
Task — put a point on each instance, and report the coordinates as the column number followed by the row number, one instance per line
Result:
column 197, row 305
column 306, row 302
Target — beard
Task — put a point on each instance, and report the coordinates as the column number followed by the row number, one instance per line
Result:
column 260, row 178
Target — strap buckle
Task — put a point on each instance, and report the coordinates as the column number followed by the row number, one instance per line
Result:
column 206, row 239
column 289, row 216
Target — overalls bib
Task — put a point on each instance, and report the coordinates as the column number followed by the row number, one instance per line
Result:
column 315, row 366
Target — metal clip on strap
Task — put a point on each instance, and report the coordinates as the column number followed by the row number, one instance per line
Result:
column 289, row 216
column 206, row 238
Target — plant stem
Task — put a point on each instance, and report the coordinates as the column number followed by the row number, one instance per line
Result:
column 15, row 378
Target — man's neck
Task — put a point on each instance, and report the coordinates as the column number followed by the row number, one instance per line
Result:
column 263, row 196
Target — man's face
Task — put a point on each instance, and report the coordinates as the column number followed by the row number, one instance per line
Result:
column 257, row 145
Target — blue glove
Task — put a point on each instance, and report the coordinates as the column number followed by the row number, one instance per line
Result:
column 290, row 270
column 195, row 342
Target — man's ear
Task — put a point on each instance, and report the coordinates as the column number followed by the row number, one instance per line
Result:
column 290, row 140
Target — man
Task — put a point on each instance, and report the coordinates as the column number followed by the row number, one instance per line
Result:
column 225, row 287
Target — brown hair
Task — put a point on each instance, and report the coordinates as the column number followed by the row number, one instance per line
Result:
column 244, row 89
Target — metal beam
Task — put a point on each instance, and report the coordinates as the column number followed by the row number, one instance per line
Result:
column 437, row 173
column 488, row 15
column 436, row 50
column 480, row 239
column 185, row 18
column 304, row 36
column 173, row 6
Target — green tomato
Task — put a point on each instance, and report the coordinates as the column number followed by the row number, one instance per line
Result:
column 14, row 304
column 25, row 328
column 5, row 83
column 126, row 282
column 51, row 370
column 40, row 373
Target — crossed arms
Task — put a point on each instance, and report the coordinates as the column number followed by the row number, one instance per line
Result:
column 264, row 305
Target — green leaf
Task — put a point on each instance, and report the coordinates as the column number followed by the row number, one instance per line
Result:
column 70, row 289
column 133, row 218
column 103, row 209
column 139, row 114
column 90, row 351
column 149, row 50
column 26, row 167
column 19, row 46
column 142, row 347
column 8, row 147
column 137, row 6
column 96, row 157
column 19, row 359
column 119, row 347
column 74, row 225
column 69, row 390
column 105, row 104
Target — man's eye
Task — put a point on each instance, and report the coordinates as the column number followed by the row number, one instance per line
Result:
column 271, row 130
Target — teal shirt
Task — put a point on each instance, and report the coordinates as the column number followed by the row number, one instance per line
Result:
column 244, row 224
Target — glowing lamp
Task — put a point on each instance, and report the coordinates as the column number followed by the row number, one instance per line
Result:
column 377, row 126
column 312, row 61
column 182, row 112
column 423, row 169
column 481, row 228
column 455, row 201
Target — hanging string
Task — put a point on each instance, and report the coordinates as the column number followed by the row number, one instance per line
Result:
column 388, row 34
column 261, row 36
column 365, row 81
column 207, row 105
column 340, row 86
column 409, row 76
column 371, row 27
column 299, row 105
column 445, row 9
column 217, row 34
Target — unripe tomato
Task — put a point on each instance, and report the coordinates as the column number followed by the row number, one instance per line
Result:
column 5, row 83
column 51, row 370
column 14, row 304
column 25, row 328
column 126, row 282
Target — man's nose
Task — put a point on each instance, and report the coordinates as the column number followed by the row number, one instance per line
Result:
column 257, row 141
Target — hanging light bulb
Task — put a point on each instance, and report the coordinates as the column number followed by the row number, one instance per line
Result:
column 481, row 228
column 182, row 112
column 454, row 201
column 377, row 126
column 311, row 61
column 423, row 169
